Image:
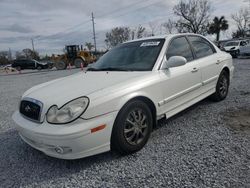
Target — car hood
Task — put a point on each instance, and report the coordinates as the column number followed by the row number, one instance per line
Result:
column 62, row 90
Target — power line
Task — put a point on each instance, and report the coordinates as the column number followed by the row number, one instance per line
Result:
column 119, row 9
column 108, row 14
column 88, row 21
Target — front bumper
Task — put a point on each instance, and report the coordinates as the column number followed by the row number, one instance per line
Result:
column 71, row 141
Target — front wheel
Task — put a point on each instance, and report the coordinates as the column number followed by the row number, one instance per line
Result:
column 221, row 87
column 78, row 62
column 132, row 128
column 60, row 65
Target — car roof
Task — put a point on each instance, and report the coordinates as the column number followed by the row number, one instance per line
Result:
column 163, row 37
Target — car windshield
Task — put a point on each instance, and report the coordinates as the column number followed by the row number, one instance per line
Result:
column 232, row 44
column 133, row 56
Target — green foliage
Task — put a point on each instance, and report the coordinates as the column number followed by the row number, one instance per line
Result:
column 116, row 36
column 218, row 25
column 89, row 46
column 4, row 58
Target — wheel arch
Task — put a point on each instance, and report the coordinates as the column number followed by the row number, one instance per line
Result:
column 227, row 70
column 148, row 102
column 80, row 57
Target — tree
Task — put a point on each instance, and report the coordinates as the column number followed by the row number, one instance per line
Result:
column 27, row 54
column 238, row 34
column 193, row 16
column 153, row 26
column 4, row 57
column 218, row 25
column 89, row 46
column 30, row 54
column 116, row 36
column 138, row 32
column 19, row 55
column 170, row 26
column 242, row 19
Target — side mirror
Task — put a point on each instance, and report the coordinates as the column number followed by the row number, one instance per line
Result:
column 174, row 61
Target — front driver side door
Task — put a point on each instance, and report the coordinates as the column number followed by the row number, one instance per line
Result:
column 179, row 84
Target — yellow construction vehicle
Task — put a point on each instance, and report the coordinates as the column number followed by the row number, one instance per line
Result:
column 73, row 56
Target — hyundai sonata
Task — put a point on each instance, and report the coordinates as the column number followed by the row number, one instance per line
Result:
column 116, row 102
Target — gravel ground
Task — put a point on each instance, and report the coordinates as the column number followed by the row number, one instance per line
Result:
column 207, row 145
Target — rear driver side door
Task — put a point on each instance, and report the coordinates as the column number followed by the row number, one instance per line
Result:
column 180, row 84
column 210, row 61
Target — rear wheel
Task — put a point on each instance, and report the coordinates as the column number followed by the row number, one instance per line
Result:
column 221, row 87
column 132, row 128
column 78, row 62
column 60, row 65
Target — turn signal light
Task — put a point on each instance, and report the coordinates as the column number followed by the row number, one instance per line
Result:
column 98, row 128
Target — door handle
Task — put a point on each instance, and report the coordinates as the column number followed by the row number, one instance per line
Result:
column 194, row 70
column 218, row 62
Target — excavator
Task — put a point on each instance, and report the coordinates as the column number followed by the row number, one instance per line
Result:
column 74, row 55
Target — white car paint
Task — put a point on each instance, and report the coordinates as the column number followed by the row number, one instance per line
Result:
column 171, row 90
column 229, row 47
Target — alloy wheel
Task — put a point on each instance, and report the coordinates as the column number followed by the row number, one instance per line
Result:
column 136, row 127
column 223, row 87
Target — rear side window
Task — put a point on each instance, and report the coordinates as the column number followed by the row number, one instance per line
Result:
column 180, row 47
column 202, row 47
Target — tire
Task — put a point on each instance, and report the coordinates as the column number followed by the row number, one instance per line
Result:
column 39, row 68
column 221, row 87
column 132, row 128
column 18, row 68
column 78, row 61
column 60, row 65
column 237, row 53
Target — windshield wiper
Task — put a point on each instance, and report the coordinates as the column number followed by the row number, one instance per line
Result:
column 108, row 69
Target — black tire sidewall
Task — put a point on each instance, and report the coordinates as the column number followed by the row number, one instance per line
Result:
column 222, row 75
column 118, row 141
column 61, row 65
column 82, row 61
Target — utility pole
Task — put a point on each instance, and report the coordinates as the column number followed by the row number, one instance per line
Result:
column 10, row 55
column 32, row 42
column 94, row 35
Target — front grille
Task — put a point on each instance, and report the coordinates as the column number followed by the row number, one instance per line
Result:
column 31, row 109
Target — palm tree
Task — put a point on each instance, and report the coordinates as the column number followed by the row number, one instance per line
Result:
column 218, row 25
column 89, row 45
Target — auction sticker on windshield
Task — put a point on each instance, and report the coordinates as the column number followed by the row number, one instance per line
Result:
column 152, row 43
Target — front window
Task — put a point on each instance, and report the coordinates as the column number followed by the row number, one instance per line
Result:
column 232, row 44
column 133, row 56
column 180, row 47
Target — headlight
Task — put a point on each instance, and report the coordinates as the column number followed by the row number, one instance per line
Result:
column 68, row 112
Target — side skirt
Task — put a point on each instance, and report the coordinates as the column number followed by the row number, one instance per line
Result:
column 187, row 104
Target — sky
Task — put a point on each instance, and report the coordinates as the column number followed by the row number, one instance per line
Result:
column 53, row 24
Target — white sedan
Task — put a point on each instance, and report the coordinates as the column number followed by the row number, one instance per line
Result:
column 115, row 104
